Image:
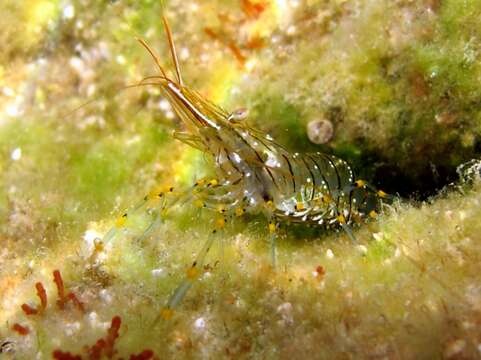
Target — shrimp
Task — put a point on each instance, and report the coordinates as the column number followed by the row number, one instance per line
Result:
column 254, row 174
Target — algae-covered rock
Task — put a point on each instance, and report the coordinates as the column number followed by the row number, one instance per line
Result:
column 397, row 82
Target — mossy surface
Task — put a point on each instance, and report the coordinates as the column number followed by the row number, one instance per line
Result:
column 404, row 102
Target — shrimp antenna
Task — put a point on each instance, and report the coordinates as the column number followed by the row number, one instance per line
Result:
column 154, row 56
column 173, row 51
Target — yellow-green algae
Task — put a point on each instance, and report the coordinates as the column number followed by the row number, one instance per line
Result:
column 402, row 98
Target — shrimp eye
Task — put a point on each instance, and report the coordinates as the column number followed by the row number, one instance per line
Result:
column 238, row 115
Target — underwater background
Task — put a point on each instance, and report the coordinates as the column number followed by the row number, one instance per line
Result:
column 393, row 87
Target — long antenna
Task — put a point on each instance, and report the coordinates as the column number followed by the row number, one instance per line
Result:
column 153, row 54
column 172, row 50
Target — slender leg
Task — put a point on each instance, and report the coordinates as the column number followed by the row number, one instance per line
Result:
column 189, row 139
column 349, row 233
column 217, row 198
column 154, row 205
column 192, row 274
column 273, row 240
column 274, row 250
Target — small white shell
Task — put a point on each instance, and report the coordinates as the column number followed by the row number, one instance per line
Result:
column 320, row 131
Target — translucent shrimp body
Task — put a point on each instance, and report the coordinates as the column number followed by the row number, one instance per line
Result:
column 253, row 174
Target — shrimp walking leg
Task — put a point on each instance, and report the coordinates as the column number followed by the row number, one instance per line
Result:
column 273, row 241
column 191, row 274
column 218, row 200
column 274, row 249
column 143, row 218
column 347, row 229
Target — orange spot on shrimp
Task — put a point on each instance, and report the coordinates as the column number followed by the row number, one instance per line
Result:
column 239, row 211
column 220, row 223
column 272, row 227
column 373, row 214
column 326, row 199
column 120, row 222
column 300, row 206
column 341, row 219
column 360, row 183
column 199, row 203
column 98, row 246
column 155, row 193
column 381, row 194
column 192, row 273
column 200, row 182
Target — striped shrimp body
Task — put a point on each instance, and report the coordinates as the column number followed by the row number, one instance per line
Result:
column 315, row 188
column 254, row 174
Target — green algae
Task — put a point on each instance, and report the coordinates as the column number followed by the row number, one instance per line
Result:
column 403, row 93
column 398, row 99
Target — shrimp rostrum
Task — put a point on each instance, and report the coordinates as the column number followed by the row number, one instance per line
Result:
column 254, row 174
